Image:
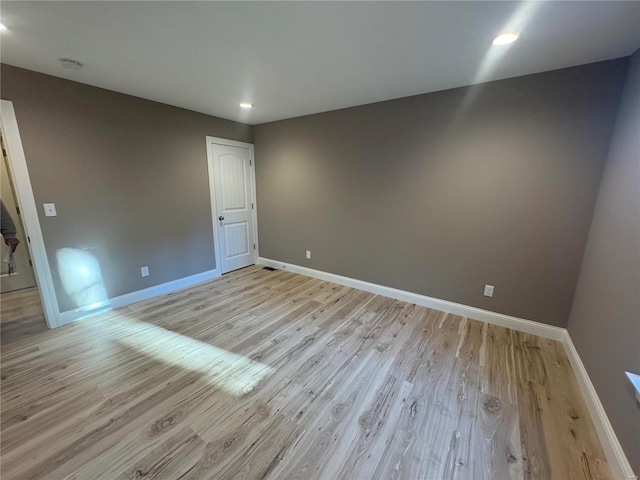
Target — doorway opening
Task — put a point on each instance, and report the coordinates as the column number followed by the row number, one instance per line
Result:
column 33, row 243
column 19, row 295
column 16, row 268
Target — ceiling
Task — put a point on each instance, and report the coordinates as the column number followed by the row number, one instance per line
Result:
column 293, row 59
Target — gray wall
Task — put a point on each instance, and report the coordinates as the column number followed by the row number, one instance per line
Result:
column 442, row 193
column 605, row 318
column 128, row 177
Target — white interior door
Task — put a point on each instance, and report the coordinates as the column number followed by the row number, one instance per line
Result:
column 234, row 205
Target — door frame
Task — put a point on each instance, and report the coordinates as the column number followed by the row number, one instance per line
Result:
column 17, row 165
column 252, row 180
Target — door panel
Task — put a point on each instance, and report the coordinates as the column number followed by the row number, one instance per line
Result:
column 236, row 237
column 233, row 195
column 233, row 178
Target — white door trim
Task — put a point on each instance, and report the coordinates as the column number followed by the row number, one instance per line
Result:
column 252, row 174
column 26, row 201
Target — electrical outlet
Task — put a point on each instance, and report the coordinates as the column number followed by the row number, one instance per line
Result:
column 144, row 271
column 308, row 254
column 488, row 290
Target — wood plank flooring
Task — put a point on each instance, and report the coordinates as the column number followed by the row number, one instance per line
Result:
column 274, row 375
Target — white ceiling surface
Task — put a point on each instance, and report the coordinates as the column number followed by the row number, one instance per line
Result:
column 293, row 59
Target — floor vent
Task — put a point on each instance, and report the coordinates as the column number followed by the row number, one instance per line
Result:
column 271, row 269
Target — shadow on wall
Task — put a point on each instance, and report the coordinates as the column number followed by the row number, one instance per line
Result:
column 81, row 278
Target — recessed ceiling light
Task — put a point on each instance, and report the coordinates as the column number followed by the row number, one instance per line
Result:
column 505, row 38
column 2, row 27
column 245, row 105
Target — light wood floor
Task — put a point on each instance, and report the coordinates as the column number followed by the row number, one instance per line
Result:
column 274, row 375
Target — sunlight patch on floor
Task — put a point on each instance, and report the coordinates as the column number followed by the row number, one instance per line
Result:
column 236, row 374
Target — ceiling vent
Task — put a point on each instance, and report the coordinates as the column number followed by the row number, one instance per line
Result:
column 70, row 63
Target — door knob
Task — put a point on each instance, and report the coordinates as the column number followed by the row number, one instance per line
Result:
column 221, row 218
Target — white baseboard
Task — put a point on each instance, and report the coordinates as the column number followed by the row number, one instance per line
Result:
column 620, row 467
column 520, row 324
column 615, row 455
column 137, row 296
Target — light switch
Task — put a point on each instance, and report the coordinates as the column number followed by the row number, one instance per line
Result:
column 50, row 209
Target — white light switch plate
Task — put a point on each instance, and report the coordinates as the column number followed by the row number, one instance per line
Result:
column 144, row 271
column 50, row 209
column 488, row 290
